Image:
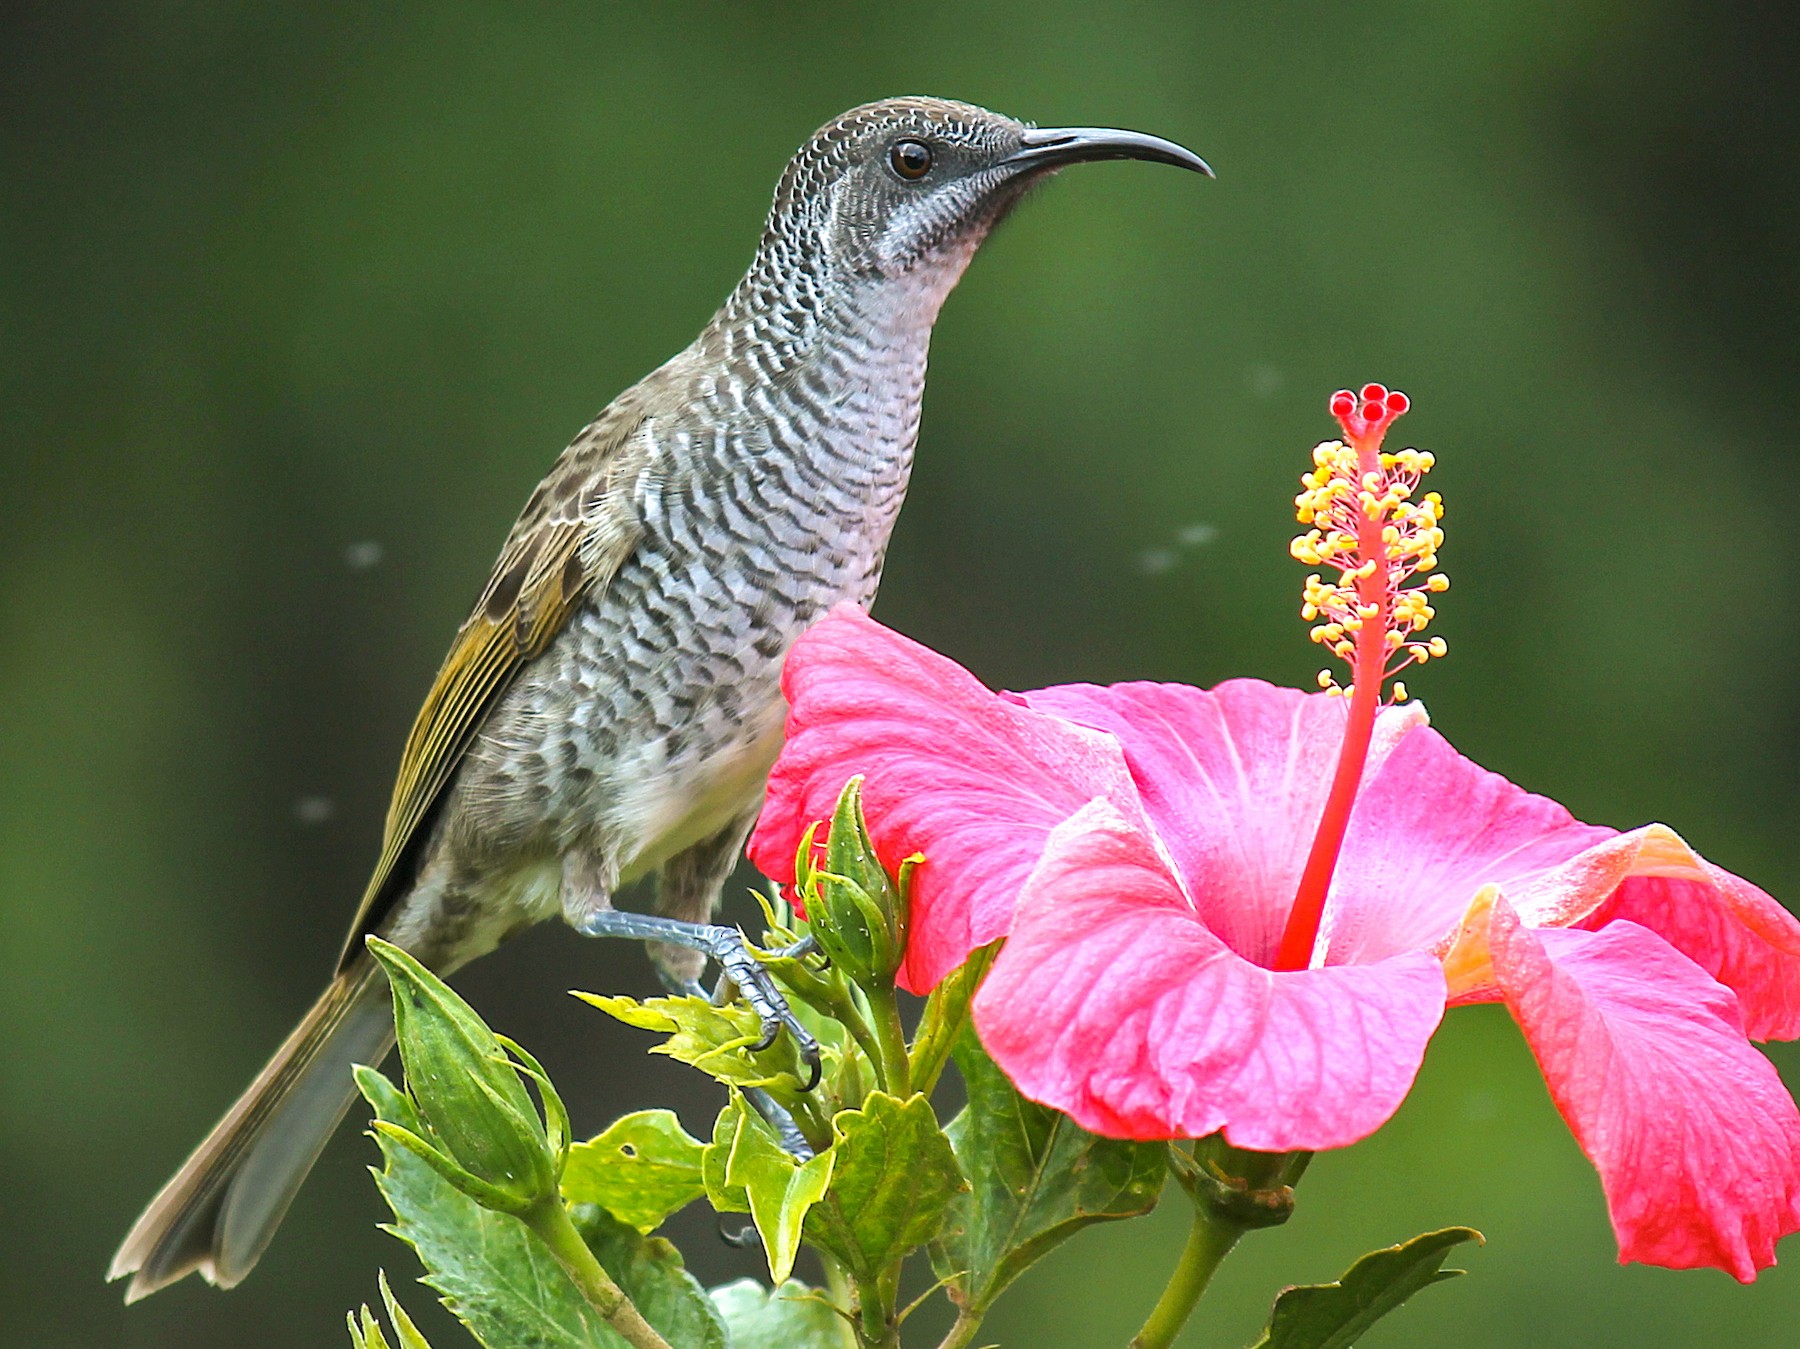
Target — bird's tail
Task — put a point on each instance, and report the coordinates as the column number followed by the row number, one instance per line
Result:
column 219, row 1212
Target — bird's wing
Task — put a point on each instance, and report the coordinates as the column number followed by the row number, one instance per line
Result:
column 567, row 545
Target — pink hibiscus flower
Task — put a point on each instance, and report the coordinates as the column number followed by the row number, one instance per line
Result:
column 1211, row 930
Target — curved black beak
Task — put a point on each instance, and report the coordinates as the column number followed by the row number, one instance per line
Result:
column 1053, row 147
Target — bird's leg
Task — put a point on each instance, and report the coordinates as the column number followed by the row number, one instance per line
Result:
column 687, row 893
column 792, row 1140
column 681, row 942
column 729, row 947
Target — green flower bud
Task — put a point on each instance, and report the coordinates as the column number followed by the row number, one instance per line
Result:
column 856, row 910
column 487, row 1137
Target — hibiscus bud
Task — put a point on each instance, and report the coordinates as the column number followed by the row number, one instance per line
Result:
column 857, row 912
column 487, row 1138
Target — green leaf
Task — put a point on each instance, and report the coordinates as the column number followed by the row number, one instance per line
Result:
column 502, row 1282
column 643, row 1168
column 895, row 1175
column 367, row 1333
column 1036, row 1178
column 410, row 1338
column 716, row 1040
column 1335, row 1315
column 720, row 1193
column 779, row 1188
column 792, row 1317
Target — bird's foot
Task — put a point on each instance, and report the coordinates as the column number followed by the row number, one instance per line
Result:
column 793, row 1142
column 742, row 972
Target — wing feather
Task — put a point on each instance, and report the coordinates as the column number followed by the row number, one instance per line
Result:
column 559, row 553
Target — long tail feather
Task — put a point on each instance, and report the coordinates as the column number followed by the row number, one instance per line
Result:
column 221, row 1209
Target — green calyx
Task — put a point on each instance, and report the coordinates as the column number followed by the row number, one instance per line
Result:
column 857, row 912
column 486, row 1136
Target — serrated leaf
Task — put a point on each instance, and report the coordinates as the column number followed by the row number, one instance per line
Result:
column 1335, row 1315
column 366, row 1334
column 644, row 1167
column 502, row 1283
column 778, row 1187
column 722, row 1195
column 719, row 1041
column 895, row 1176
column 793, row 1316
column 410, row 1336
column 1036, row 1178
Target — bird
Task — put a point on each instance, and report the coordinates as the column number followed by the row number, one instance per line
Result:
column 611, row 707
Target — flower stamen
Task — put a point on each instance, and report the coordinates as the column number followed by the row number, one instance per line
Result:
column 1363, row 523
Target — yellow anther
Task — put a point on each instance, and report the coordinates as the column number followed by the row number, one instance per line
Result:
column 1340, row 506
column 1438, row 647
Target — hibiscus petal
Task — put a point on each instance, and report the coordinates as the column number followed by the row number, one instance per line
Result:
column 1234, row 780
column 973, row 781
column 1696, row 1140
column 1429, row 829
column 1113, row 1002
column 1724, row 924
column 1732, row 930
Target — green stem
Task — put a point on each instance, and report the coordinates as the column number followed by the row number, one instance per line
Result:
column 962, row 1334
column 946, row 1013
column 890, row 1035
column 850, row 1017
column 811, row 1120
column 550, row 1220
column 837, row 1283
column 877, row 1331
column 1233, row 1191
column 1209, row 1240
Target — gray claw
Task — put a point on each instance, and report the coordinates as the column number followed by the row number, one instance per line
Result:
column 758, row 989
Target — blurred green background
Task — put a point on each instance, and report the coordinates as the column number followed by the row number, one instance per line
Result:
column 297, row 303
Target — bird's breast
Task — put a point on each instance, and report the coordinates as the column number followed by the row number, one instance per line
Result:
column 650, row 723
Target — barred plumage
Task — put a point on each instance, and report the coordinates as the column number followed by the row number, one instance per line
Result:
column 612, row 706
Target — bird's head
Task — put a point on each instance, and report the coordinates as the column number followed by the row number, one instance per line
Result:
column 911, row 186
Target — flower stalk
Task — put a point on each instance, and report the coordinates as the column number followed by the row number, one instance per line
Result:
column 1234, row 1192
column 1209, row 1241
column 553, row 1226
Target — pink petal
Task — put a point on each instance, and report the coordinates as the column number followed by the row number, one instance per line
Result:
column 1695, row 1138
column 973, row 781
column 1728, row 927
column 1112, row 1001
column 1429, row 829
column 1234, row 780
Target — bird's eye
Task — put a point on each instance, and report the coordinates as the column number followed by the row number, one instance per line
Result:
column 910, row 159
